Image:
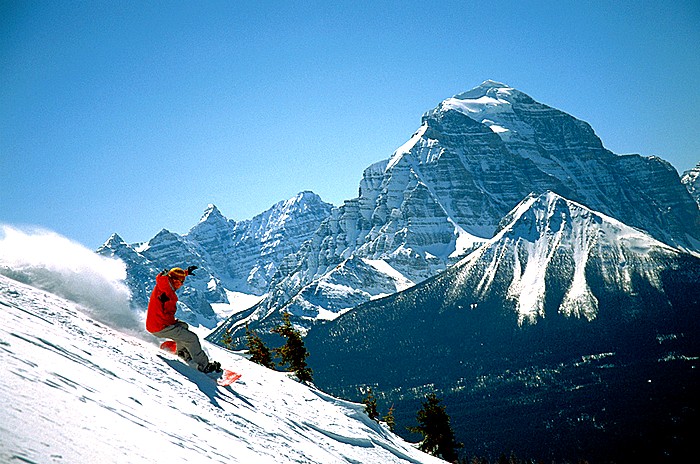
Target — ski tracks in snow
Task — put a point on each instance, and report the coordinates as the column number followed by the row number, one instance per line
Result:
column 74, row 390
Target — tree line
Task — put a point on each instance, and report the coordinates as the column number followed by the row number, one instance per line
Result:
column 434, row 423
column 433, row 420
column 292, row 354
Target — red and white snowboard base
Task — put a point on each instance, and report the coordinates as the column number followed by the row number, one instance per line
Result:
column 227, row 376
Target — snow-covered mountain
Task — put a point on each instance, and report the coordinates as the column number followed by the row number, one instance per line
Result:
column 691, row 180
column 568, row 326
column 75, row 390
column 548, row 241
column 443, row 193
column 235, row 258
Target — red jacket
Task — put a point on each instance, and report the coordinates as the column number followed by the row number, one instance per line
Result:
column 161, row 306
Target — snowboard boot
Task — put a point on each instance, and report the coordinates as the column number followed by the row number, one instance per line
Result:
column 212, row 367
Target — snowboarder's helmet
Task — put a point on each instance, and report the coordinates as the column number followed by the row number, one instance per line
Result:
column 177, row 273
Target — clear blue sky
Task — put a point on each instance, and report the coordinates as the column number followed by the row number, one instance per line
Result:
column 130, row 117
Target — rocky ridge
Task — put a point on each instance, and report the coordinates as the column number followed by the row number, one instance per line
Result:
column 691, row 180
column 444, row 192
column 232, row 256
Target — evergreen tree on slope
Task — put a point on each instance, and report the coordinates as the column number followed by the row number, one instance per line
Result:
column 370, row 403
column 258, row 351
column 434, row 425
column 293, row 353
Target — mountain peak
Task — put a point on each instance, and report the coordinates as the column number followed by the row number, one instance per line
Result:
column 691, row 180
column 113, row 240
column 302, row 201
column 302, row 197
column 212, row 213
column 693, row 173
column 545, row 230
column 490, row 103
column 213, row 229
column 492, row 83
column 164, row 236
column 488, row 87
column 549, row 213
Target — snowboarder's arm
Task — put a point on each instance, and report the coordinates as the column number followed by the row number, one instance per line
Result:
column 163, row 283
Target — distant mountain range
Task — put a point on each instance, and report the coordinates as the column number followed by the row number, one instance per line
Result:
column 233, row 257
column 443, row 193
column 437, row 198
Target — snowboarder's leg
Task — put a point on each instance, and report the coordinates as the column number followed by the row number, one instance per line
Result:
column 184, row 354
column 186, row 339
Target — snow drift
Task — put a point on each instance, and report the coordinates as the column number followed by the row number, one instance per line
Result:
column 51, row 262
column 74, row 390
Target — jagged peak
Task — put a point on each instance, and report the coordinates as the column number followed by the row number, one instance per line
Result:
column 549, row 212
column 533, row 200
column 302, row 200
column 693, row 172
column 212, row 220
column 492, row 83
column 546, row 203
column 543, row 228
column 212, row 213
column 482, row 103
column 305, row 196
column 115, row 239
column 164, row 233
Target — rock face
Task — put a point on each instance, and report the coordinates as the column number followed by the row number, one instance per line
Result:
column 246, row 254
column 556, row 327
column 232, row 256
column 691, row 180
column 475, row 156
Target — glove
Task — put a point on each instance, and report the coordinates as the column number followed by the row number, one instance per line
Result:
column 190, row 270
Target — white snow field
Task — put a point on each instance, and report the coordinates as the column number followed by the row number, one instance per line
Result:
column 74, row 390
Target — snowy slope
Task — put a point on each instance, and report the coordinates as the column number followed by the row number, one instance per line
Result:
column 548, row 238
column 74, row 390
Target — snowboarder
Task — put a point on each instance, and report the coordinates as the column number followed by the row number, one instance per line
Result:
column 161, row 322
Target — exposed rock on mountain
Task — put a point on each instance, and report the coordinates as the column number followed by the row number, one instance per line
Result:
column 232, row 256
column 475, row 157
column 691, row 180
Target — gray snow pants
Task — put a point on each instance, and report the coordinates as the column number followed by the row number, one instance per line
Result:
column 184, row 338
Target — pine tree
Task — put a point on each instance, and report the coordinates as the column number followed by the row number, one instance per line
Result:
column 259, row 353
column 370, row 403
column 227, row 340
column 389, row 419
column 434, row 425
column 293, row 353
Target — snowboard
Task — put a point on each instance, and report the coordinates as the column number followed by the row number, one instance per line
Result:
column 227, row 377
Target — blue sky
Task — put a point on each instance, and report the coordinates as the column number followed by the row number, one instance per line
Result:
column 131, row 117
